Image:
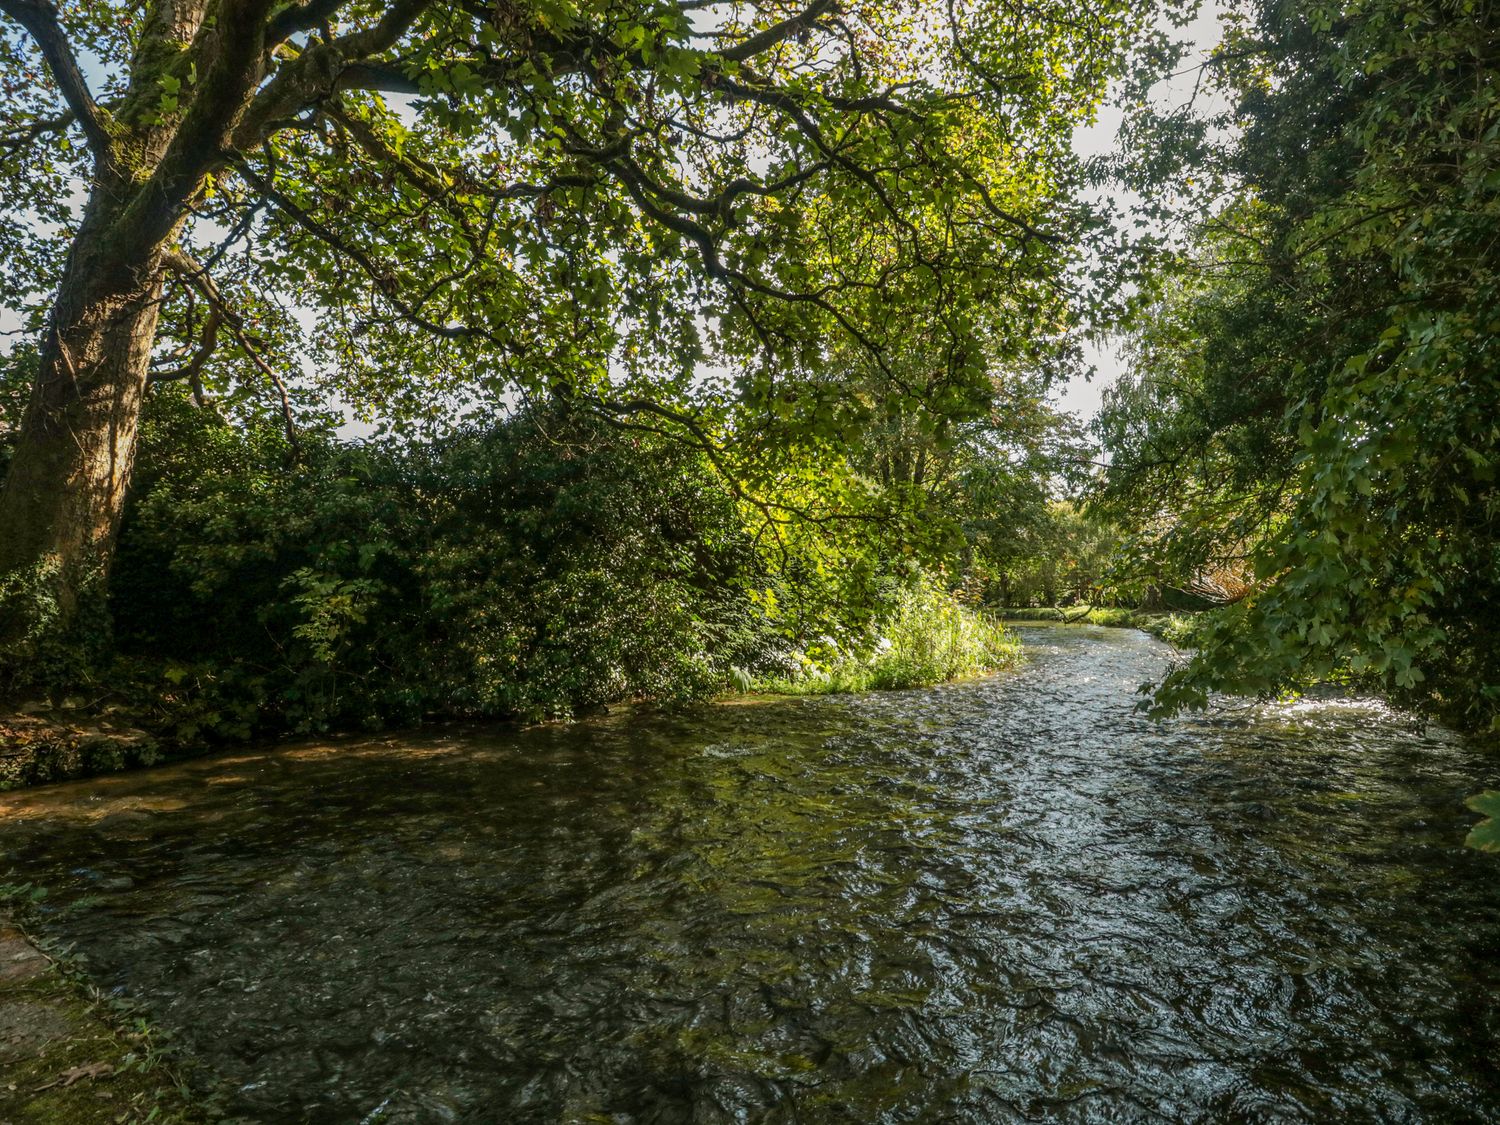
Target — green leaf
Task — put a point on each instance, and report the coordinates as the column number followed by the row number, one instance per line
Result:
column 1485, row 836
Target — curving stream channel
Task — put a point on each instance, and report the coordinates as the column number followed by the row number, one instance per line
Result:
column 1013, row 899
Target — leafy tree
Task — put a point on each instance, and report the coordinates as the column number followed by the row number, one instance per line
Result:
column 1062, row 557
column 1315, row 391
column 537, row 566
column 558, row 197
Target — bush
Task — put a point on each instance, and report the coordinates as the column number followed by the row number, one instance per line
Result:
column 926, row 637
column 541, row 567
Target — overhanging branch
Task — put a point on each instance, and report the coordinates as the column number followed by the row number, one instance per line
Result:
column 198, row 277
column 39, row 17
column 192, row 370
column 776, row 33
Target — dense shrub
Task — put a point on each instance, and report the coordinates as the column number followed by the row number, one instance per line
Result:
column 543, row 566
column 1065, row 557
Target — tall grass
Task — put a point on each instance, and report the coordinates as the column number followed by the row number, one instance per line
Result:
column 926, row 638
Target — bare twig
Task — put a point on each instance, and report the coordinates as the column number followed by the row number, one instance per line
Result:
column 180, row 263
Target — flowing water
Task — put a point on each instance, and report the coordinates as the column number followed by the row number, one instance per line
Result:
column 1013, row 899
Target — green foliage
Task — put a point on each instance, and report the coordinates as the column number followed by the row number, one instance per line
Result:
column 427, row 212
column 1059, row 556
column 1485, row 836
column 1112, row 617
column 926, row 636
column 981, row 472
column 1314, row 397
column 40, row 641
column 1182, row 630
column 548, row 564
column 617, row 191
column 545, row 565
column 18, row 368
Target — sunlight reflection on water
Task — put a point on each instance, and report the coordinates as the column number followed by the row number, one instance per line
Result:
column 1012, row 899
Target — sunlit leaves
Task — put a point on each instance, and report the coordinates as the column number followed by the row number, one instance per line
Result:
column 1485, row 836
column 575, row 185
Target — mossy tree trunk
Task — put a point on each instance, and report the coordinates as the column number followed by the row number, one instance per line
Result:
column 64, row 493
column 209, row 81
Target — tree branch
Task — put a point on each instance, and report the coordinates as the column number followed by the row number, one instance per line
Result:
column 180, row 263
column 17, row 141
column 193, row 369
column 384, row 282
column 612, row 410
column 776, row 33
column 318, row 72
column 299, row 17
column 39, row 17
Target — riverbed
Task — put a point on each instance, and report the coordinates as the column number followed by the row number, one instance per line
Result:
column 1011, row 899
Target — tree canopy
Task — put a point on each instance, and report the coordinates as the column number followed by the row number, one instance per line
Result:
column 473, row 197
column 414, row 210
column 1314, row 392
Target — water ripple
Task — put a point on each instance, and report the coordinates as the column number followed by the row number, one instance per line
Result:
column 1009, row 900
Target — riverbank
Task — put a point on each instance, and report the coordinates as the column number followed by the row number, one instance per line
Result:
column 929, row 638
column 60, row 746
column 925, row 637
column 1174, row 628
column 67, row 1055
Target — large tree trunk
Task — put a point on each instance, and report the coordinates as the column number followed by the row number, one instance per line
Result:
column 63, row 495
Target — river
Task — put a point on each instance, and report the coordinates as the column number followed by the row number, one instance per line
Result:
column 1004, row 900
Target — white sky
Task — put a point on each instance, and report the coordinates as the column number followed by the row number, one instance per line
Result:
column 1082, row 396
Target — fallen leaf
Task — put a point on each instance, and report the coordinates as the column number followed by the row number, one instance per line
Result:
column 77, row 1074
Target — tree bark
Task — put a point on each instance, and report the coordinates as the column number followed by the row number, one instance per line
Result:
column 64, row 493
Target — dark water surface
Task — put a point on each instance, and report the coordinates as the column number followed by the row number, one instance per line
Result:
column 996, row 901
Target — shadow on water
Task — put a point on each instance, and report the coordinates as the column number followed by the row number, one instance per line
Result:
column 1004, row 900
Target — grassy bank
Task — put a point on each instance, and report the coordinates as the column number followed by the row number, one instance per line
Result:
column 928, row 638
column 69, row 1055
column 1174, row 628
